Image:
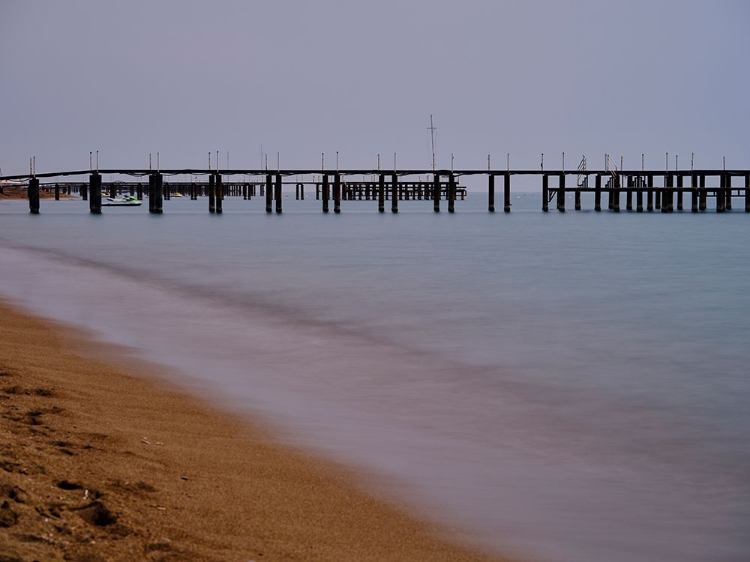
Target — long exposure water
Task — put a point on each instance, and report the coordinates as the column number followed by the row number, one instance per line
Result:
column 568, row 386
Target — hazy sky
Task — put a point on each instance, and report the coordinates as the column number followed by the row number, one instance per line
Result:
column 304, row 77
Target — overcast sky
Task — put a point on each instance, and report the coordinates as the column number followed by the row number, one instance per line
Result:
column 300, row 77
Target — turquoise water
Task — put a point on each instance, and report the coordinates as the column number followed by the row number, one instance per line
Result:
column 570, row 386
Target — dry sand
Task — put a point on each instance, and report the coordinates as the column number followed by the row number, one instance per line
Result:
column 97, row 463
column 10, row 192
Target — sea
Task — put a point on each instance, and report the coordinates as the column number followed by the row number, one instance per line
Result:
column 566, row 387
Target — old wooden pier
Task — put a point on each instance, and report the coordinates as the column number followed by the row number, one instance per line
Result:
column 644, row 190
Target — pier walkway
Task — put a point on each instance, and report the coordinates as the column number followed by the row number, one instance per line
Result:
column 643, row 190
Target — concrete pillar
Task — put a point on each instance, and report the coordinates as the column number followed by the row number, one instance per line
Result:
column 598, row 193
column 561, row 194
column 219, row 194
column 491, row 194
column 436, row 193
column 728, row 191
column 381, row 193
column 269, row 193
column 33, row 195
column 394, row 193
column 337, row 193
column 211, row 193
column 451, row 192
column 158, row 205
column 277, row 194
column 506, row 192
column 95, row 194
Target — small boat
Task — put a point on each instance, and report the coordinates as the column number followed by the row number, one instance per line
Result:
column 129, row 201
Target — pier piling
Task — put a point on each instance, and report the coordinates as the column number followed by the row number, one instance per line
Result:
column 219, row 194
column 436, row 193
column 381, row 193
column 598, row 192
column 211, row 193
column 451, row 193
column 269, row 194
column 33, row 195
column 158, row 205
column 326, row 193
column 277, row 194
column 545, row 192
column 506, row 192
column 394, row 193
column 336, row 193
column 491, row 194
column 560, row 194
column 95, row 194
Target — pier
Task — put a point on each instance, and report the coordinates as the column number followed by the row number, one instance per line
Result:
column 642, row 190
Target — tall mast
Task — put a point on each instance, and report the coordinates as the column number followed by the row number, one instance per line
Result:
column 432, row 138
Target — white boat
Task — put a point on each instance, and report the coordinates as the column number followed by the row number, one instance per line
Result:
column 129, row 201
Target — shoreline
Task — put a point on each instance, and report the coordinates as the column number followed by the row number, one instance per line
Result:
column 100, row 459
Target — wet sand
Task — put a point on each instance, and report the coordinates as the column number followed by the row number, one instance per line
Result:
column 100, row 462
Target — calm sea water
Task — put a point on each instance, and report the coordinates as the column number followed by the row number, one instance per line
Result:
column 572, row 387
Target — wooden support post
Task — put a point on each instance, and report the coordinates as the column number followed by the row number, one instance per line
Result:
column 336, row 193
column 244, row 192
column 269, row 193
column 95, row 194
column 598, row 193
column 158, row 208
column 325, row 194
column 33, row 195
column 578, row 199
column 650, row 193
column 219, row 194
column 506, row 192
column 84, row 192
column 436, row 193
column 629, row 194
column 747, row 193
column 491, row 194
column 451, row 192
column 561, row 194
column 211, row 193
column 639, row 200
column 728, row 191
column 720, row 193
column 57, row 192
column 167, row 191
column 381, row 193
column 657, row 198
column 545, row 193
column 666, row 193
column 302, row 191
column 703, row 201
column 694, row 193
column 112, row 191
column 616, row 193
column 277, row 194
column 296, row 192
column 394, row 193
column 679, row 192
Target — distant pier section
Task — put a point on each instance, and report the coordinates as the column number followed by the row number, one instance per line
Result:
column 614, row 190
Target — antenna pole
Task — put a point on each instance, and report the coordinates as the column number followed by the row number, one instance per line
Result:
column 432, row 138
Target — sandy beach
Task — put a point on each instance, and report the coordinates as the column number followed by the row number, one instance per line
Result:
column 100, row 462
